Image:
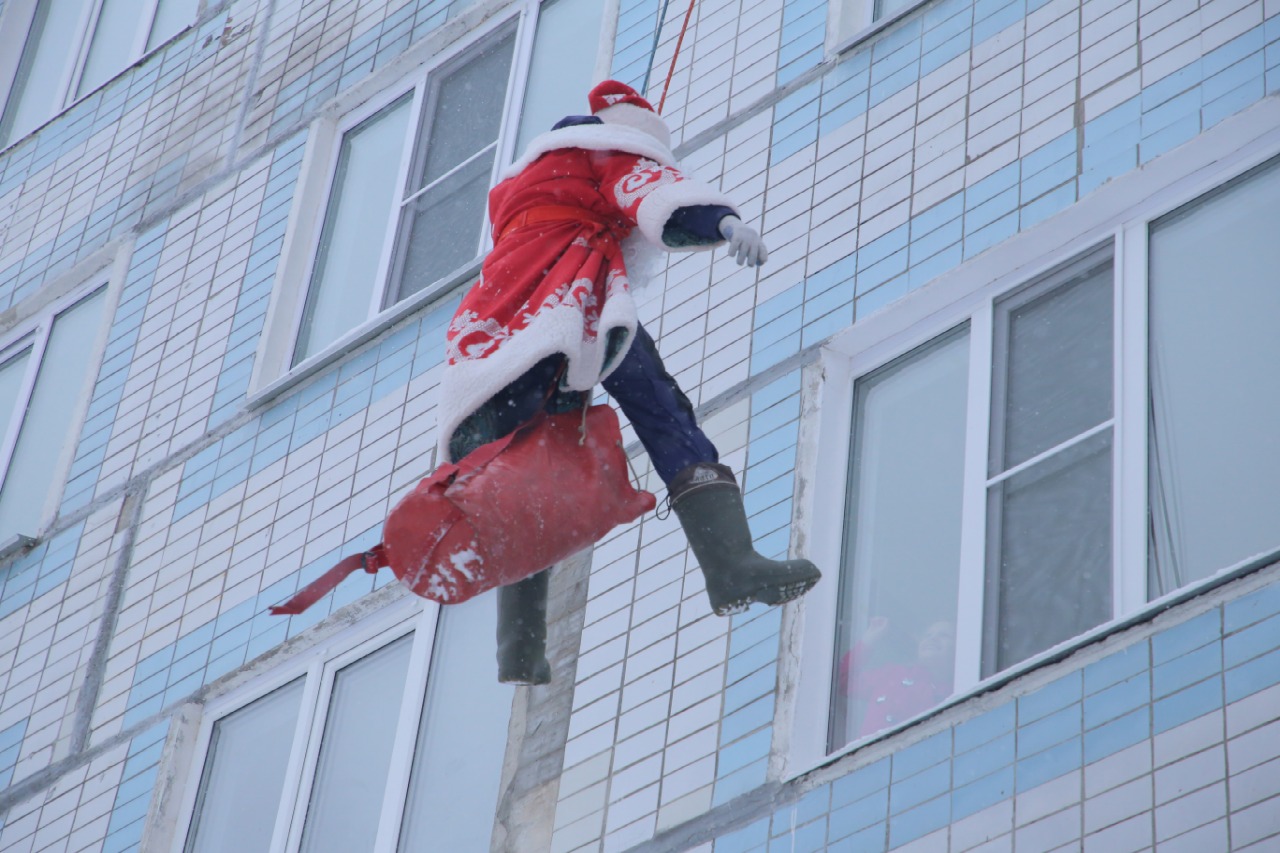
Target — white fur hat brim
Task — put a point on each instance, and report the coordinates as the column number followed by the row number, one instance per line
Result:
column 629, row 115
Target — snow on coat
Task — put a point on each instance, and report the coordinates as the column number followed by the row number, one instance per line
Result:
column 561, row 286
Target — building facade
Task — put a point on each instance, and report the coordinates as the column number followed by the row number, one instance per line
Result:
column 976, row 382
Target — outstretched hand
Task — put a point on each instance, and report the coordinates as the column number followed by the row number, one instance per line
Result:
column 745, row 245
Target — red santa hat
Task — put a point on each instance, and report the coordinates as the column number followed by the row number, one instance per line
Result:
column 617, row 103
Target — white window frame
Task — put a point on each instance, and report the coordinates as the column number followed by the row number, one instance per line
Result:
column 273, row 371
column 15, row 25
column 319, row 665
column 851, row 22
column 34, row 331
column 1120, row 214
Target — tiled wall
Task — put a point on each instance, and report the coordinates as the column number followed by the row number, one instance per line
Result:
column 871, row 173
column 100, row 805
column 51, row 608
column 1170, row 743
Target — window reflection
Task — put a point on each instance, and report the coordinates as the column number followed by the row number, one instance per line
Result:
column 896, row 645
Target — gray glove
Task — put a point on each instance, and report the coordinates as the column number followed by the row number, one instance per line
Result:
column 745, row 245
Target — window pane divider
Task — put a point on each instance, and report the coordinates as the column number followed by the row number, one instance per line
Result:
column 458, row 168
column 1130, row 475
column 80, row 58
column 412, row 706
column 316, row 704
column 971, row 592
column 74, row 67
column 1040, row 457
column 301, row 761
column 380, row 292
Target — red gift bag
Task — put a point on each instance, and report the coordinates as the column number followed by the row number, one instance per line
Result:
column 506, row 511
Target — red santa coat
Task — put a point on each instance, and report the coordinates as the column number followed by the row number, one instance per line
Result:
column 559, row 285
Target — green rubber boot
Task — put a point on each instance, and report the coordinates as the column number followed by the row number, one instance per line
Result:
column 522, row 631
column 708, row 502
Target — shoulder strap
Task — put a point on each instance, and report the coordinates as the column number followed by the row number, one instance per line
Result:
column 370, row 561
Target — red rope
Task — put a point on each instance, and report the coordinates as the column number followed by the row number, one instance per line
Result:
column 672, row 70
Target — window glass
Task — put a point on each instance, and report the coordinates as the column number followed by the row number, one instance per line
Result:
column 896, row 630
column 171, row 17
column 1051, row 533
column 1049, row 504
column 351, row 240
column 1215, row 386
column 12, row 372
column 884, row 8
column 37, row 88
column 355, row 752
column 560, row 71
column 1057, row 382
column 442, row 222
column 45, row 426
column 112, row 46
column 243, row 778
column 463, row 738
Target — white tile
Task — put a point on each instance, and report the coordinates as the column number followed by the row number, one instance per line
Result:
column 1118, row 804
column 684, row 808
column 1255, row 784
column 982, row 827
column 1188, row 738
column 1003, row 844
column 1048, row 798
column 1127, row 837
column 1189, row 774
column 934, row 842
column 1253, row 711
column 1193, row 810
column 1254, row 747
column 1048, row 833
column 1259, row 821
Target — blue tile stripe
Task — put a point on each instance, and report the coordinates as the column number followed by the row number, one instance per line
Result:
column 353, row 61
column 114, row 216
column 746, row 730
column 1041, row 183
column 108, row 391
column 633, row 41
column 804, row 30
column 10, row 749
column 133, row 796
column 39, row 570
column 1079, row 718
column 344, row 391
column 241, row 633
column 260, row 276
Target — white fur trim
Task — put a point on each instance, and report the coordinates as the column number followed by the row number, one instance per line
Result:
column 658, row 206
column 592, row 137
column 468, row 385
column 630, row 115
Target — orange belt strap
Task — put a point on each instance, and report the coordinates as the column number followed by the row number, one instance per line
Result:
column 556, row 213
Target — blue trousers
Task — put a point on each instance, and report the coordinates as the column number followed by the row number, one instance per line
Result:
column 658, row 410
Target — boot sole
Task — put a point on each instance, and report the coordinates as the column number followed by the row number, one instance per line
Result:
column 772, row 596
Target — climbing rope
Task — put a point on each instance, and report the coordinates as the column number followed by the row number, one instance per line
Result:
column 662, row 17
column 657, row 34
column 675, row 56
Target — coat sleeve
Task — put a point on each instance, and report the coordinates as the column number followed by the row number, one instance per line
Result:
column 649, row 194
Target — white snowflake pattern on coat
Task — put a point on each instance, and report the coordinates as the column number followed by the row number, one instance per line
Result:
column 645, row 177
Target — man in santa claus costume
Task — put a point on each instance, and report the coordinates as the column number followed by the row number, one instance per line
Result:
column 552, row 315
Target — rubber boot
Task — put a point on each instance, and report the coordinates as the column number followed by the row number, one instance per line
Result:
column 708, row 502
column 522, row 631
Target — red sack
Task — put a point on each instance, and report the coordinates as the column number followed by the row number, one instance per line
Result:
column 506, row 511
